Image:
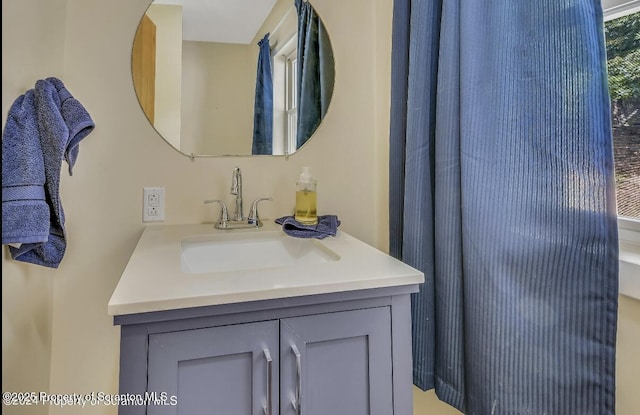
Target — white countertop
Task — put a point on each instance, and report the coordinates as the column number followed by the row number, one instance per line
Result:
column 153, row 280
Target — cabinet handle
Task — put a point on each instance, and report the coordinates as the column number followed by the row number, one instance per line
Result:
column 297, row 405
column 268, row 408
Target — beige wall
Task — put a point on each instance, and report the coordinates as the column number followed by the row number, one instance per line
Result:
column 627, row 361
column 218, row 87
column 283, row 14
column 57, row 335
column 33, row 47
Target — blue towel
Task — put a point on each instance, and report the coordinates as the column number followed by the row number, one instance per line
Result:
column 77, row 119
column 59, row 122
column 327, row 226
column 25, row 212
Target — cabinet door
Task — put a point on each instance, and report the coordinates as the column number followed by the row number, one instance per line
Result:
column 336, row 363
column 216, row 371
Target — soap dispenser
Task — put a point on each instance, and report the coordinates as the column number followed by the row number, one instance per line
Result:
column 306, row 199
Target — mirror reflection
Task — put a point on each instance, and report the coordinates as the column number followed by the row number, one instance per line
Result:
column 233, row 77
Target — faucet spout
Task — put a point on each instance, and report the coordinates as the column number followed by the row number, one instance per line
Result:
column 236, row 189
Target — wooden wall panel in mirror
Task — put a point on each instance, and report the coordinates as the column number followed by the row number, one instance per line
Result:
column 204, row 85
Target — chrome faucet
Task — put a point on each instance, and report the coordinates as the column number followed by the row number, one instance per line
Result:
column 238, row 221
column 236, row 189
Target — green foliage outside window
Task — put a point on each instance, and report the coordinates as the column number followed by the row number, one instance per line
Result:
column 623, row 66
column 623, row 62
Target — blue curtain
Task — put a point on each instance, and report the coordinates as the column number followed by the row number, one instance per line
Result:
column 315, row 71
column 501, row 192
column 263, row 107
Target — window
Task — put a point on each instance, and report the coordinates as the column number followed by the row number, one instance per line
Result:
column 291, row 101
column 623, row 63
column 285, row 97
column 622, row 36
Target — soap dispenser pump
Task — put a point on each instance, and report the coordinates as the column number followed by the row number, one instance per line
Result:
column 306, row 198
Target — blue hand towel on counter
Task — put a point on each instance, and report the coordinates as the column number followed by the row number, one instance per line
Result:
column 62, row 122
column 327, row 226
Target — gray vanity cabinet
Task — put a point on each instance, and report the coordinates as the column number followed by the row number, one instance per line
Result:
column 341, row 354
column 337, row 363
column 216, row 370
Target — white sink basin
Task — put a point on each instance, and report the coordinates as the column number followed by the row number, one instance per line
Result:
column 194, row 265
column 250, row 251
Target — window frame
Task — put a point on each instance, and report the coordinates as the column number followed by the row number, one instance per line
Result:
column 281, row 55
column 291, row 98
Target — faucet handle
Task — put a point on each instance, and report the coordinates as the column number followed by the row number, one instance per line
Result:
column 224, row 212
column 253, row 218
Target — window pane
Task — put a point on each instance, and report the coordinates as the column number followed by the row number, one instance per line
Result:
column 623, row 61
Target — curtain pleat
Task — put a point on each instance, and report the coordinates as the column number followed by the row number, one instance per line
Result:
column 315, row 69
column 263, row 107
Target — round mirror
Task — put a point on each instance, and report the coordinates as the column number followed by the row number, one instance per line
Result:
column 233, row 77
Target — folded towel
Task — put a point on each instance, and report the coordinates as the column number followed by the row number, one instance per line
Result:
column 61, row 122
column 25, row 212
column 77, row 119
column 327, row 226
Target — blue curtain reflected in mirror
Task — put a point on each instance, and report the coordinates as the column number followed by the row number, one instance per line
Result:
column 263, row 107
column 315, row 71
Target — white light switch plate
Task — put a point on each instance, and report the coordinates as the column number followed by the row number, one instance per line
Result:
column 153, row 204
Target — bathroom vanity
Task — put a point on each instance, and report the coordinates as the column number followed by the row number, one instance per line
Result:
column 256, row 322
